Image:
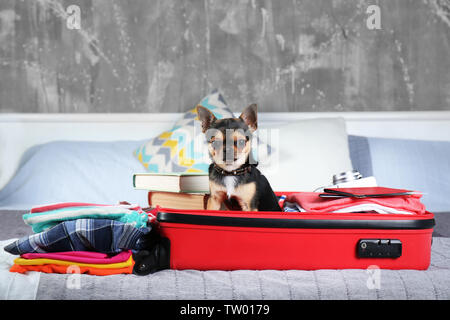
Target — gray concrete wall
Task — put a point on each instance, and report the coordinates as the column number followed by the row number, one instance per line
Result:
column 163, row 56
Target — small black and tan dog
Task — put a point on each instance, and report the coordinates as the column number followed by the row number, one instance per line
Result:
column 233, row 177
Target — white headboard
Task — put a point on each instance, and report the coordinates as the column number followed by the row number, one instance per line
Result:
column 20, row 131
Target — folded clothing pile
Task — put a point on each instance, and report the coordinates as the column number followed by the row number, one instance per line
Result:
column 87, row 262
column 312, row 202
column 43, row 217
column 82, row 238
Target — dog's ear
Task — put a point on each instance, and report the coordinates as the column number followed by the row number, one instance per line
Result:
column 206, row 117
column 249, row 116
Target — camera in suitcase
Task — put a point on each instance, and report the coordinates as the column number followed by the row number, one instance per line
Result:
column 231, row 240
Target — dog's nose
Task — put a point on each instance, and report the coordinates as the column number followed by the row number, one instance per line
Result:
column 228, row 155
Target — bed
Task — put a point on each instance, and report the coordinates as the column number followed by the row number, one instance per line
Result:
column 433, row 283
column 45, row 170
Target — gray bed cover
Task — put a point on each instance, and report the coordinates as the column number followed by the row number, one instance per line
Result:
column 433, row 283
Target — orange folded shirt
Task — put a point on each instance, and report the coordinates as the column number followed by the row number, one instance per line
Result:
column 53, row 268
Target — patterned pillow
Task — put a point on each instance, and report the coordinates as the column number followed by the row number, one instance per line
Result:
column 183, row 148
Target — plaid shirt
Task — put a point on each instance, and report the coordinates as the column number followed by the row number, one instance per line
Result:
column 101, row 235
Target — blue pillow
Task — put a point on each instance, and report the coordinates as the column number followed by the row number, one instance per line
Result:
column 360, row 155
column 74, row 171
column 410, row 164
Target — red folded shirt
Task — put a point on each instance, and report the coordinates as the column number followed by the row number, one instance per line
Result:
column 310, row 201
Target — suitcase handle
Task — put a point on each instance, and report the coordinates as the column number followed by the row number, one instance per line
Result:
column 379, row 248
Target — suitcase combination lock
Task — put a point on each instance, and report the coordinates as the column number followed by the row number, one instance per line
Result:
column 379, row 248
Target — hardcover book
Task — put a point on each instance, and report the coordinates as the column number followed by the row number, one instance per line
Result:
column 193, row 201
column 172, row 182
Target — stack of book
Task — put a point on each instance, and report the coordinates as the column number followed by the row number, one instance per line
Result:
column 174, row 190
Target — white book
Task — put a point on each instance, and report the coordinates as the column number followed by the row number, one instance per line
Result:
column 172, row 182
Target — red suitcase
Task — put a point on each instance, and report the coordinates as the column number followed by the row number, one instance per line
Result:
column 230, row 240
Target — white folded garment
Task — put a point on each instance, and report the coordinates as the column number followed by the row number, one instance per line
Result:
column 13, row 285
column 365, row 207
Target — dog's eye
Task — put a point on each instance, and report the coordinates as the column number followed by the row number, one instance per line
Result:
column 217, row 144
column 240, row 143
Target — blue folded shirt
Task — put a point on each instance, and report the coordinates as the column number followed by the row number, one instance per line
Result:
column 100, row 235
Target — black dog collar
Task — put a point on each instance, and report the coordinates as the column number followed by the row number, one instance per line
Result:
column 237, row 172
